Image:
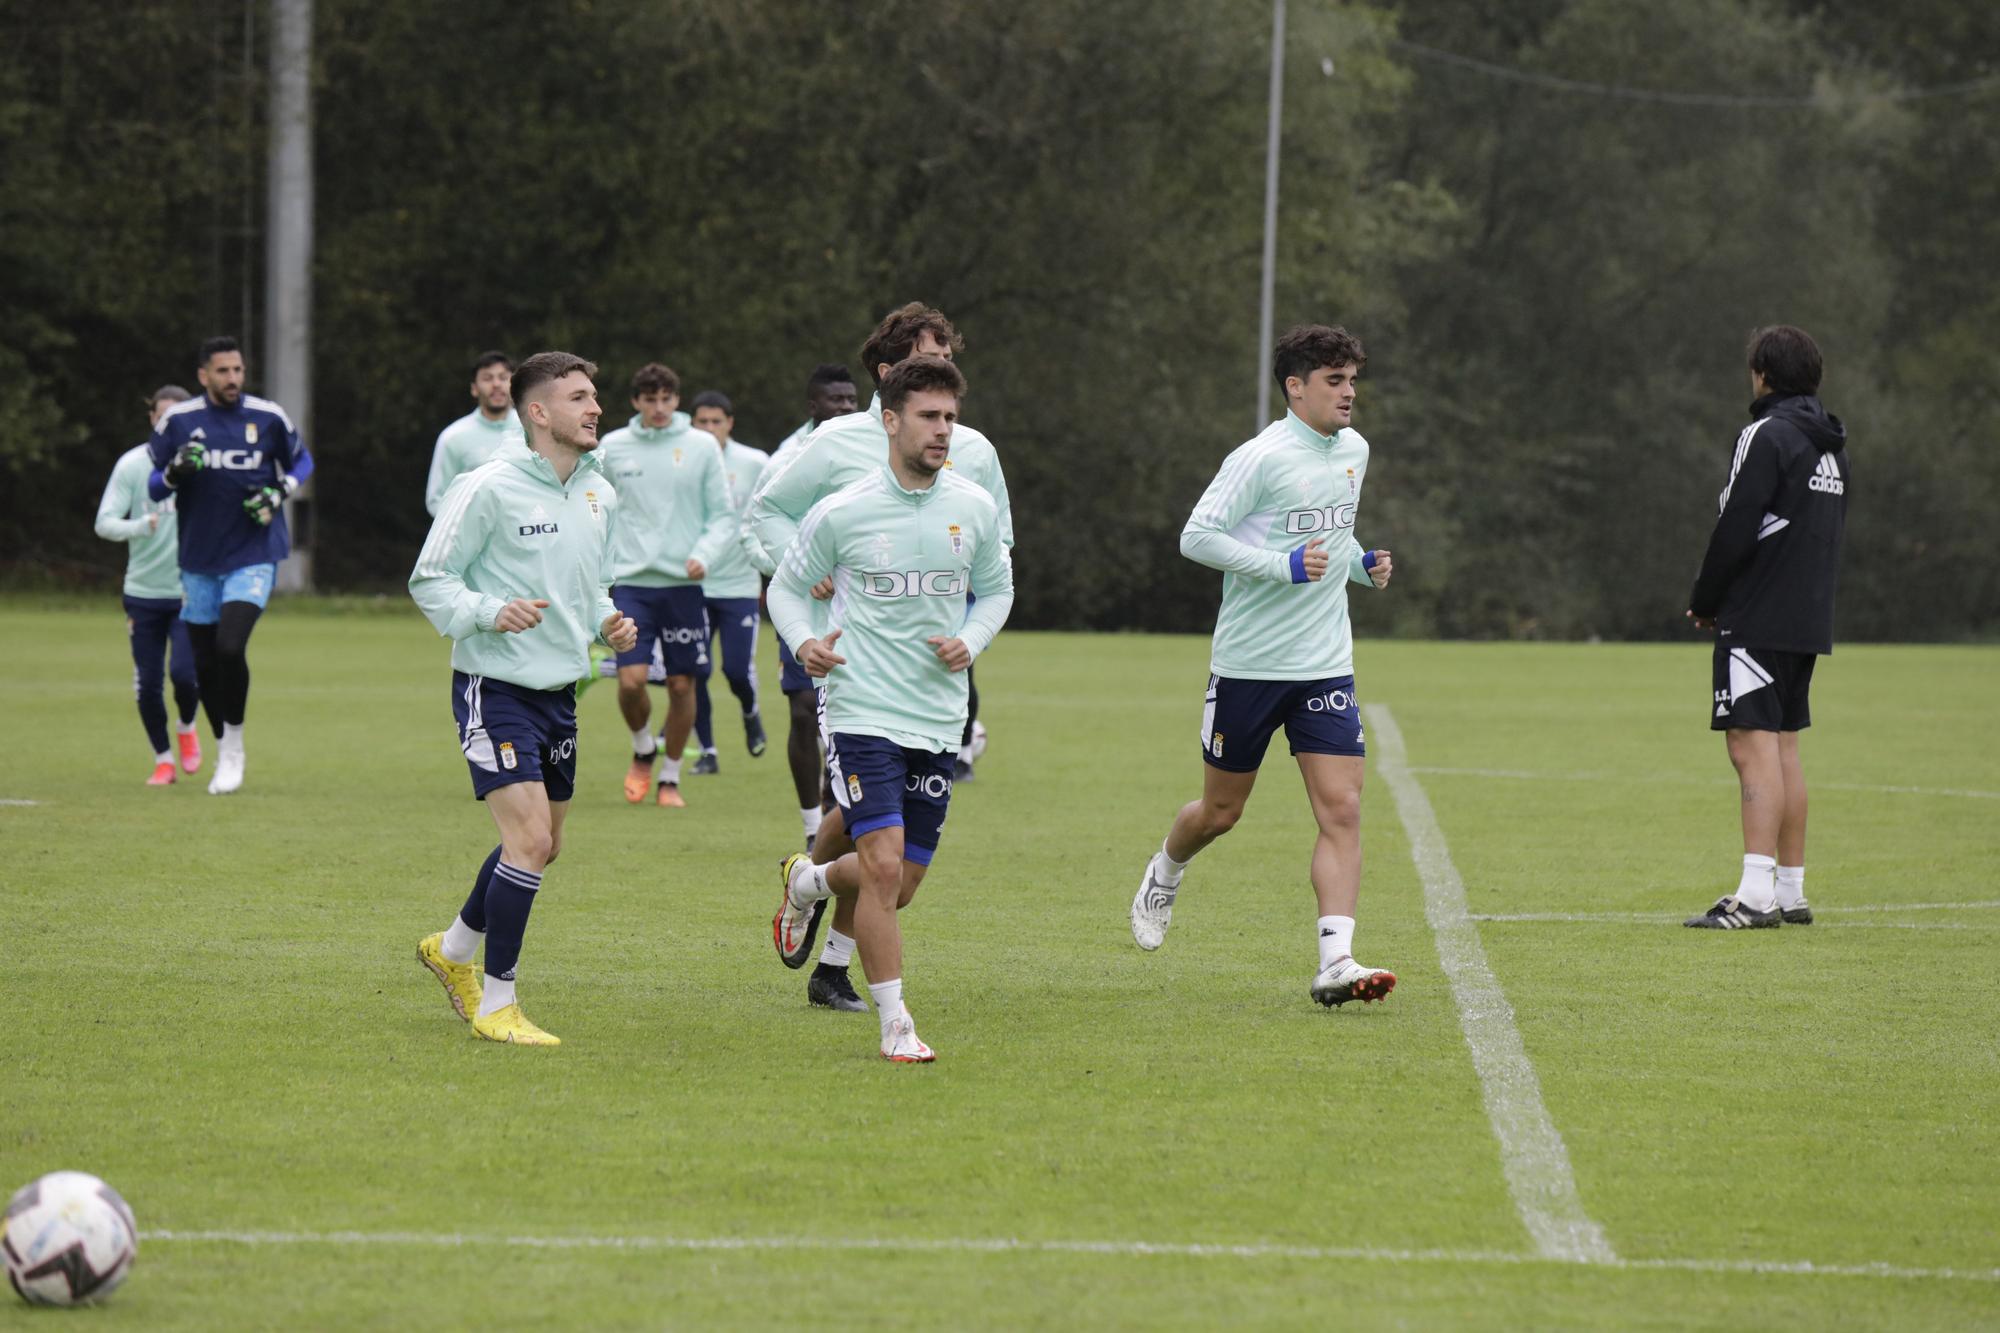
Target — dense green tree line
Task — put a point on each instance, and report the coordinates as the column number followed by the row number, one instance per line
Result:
column 1555, row 282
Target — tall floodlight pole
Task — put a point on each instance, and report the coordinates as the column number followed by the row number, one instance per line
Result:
column 288, row 252
column 1265, row 313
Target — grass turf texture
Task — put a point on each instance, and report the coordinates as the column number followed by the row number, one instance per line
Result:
column 215, row 1005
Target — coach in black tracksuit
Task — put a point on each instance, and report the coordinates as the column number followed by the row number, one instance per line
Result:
column 1766, row 587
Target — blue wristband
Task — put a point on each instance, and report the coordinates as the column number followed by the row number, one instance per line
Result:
column 1299, row 566
column 1368, row 560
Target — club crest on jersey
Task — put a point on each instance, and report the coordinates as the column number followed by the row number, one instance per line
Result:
column 677, row 455
column 507, row 755
column 853, row 787
column 957, row 540
column 1353, row 486
column 249, row 432
column 590, row 498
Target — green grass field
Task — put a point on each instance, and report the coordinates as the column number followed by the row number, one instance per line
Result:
column 214, row 1004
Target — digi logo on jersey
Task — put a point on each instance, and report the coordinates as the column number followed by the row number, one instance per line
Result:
column 934, row 785
column 236, row 460
column 1298, row 522
column 916, row 583
column 1339, row 701
column 531, row 529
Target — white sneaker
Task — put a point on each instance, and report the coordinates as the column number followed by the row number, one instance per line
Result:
column 901, row 1045
column 228, row 771
column 1152, row 909
column 1344, row 979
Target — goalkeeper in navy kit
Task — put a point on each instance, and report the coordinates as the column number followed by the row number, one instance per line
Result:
column 1766, row 588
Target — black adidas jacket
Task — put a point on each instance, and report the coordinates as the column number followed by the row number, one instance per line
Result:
column 1768, row 578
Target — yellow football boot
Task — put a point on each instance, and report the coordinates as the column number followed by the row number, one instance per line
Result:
column 511, row 1025
column 460, row 980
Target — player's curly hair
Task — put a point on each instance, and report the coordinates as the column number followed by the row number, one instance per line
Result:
column 1307, row 347
column 655, row 378
column 544, row 367
column 920, row 374
column 896, row 336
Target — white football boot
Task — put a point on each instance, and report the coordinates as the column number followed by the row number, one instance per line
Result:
column 1152, row 908
column 228, row 769
column 901, row 1046
column 1344, row 979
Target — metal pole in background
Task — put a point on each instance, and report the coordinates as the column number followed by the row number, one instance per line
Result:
column 1265, row 314
column 288, row 254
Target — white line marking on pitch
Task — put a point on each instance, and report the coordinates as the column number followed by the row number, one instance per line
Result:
column 1532, row 1155
column 4, row 800
column 1006, row 1245
column 1669, row 919
column 1531, row 775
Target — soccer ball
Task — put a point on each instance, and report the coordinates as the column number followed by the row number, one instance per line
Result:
column 69, row 1240
column 978, row 740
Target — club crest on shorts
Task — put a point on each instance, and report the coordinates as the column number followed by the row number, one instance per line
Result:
column 507, row 755
column 249, row 432
column 853, row 787
column 957, row 540
column 1215, row 744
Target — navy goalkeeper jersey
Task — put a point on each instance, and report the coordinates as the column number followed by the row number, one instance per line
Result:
column 249, row 446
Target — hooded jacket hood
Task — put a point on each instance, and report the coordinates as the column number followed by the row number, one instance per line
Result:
column 1804, row 411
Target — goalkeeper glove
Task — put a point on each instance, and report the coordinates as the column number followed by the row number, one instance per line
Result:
column 264, row 505
column 187, row 461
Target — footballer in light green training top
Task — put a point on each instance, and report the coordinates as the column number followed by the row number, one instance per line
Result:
column 128, row 513
column 517, row 573
column 902, row 548
column 1279, row 521
column 480, row 433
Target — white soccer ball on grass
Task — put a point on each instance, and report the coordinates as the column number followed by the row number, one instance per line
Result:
column 69, row 1239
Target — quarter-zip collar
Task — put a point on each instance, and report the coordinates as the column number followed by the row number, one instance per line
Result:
column 588, row 467
column 678, row 424
column 909, row 497
column 1309, row 437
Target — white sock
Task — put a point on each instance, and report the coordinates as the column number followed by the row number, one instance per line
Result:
column 642, row 742
column 232, row 736
column 163, row 757
column 496, row 994
column 810, row 816
column 670, row 772
column 183, row 728
column 839, row 950
column 1758, row 889
column 1167, row 870
column 965, row 754
column 460, row 941
column 888, row 1002
column 1336, row 938
column 708, row 749
column 815, row 886
column 1791, row 885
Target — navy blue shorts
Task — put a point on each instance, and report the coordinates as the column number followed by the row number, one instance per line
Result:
column 880, row 784
column 674, row 618
column 1761, row 689
column 791, row 676
column 734, row 621
column 1239, row 717
column 513, row 734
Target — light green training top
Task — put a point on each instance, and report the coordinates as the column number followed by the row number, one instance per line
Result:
column 838, row 454
column 152, row 556
column 463, row 446
column 509, row 529
column 731, row 574
column 1273, row 495
column 901, row 562
column 676, row 504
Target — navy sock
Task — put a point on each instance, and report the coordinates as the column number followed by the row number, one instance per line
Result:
column 509, row 899
column 704, row 715
column 473, row 913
